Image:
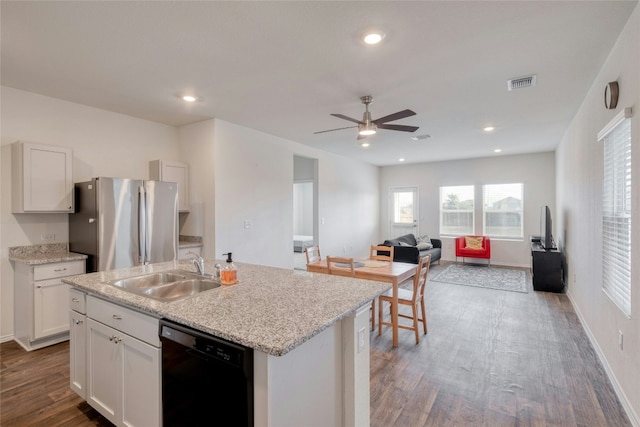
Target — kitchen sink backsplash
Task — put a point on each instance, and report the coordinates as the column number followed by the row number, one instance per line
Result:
column 190, row 239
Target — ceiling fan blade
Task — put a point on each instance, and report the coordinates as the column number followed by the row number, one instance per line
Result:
column 331, row 130
column 342, row 116
column 395, row 116
column 401, row 128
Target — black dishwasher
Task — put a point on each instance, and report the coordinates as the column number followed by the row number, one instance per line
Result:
column 205, row 380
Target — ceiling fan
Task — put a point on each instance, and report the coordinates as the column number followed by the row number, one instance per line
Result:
column 367, row 127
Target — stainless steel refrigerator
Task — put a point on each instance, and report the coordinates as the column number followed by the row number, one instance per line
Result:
column 122, row 223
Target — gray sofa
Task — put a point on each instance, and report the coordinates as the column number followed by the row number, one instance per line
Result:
column 405, row 250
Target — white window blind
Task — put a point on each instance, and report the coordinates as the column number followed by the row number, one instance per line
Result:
column 457, row 210
column 502, row 210
column 616, row 211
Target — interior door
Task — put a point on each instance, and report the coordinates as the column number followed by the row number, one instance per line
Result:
column 403, row 211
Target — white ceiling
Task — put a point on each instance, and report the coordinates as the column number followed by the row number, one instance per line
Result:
column 283, row 67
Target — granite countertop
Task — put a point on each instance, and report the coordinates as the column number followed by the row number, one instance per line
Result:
column 272, row 310
column 43, row 254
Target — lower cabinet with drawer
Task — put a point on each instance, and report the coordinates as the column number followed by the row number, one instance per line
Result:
column 41, row 309
column 123, row 364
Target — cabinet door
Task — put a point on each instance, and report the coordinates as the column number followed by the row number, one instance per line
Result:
column 51, row 308
column 47, row 178
column 170, row 171
column 141, row 389
column 78, row 353
column 103, row 369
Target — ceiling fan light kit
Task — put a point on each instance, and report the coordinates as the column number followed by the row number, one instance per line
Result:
column 367, row 127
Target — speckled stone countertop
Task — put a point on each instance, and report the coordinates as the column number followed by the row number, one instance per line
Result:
column 43, row 254
column 272, row 310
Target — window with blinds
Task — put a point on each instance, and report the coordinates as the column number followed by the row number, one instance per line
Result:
column 502, row 207
column 616, row 211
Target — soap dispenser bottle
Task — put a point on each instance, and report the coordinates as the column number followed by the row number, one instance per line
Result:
column 229, row 274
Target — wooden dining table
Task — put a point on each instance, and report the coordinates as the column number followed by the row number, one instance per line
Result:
column 380, row 271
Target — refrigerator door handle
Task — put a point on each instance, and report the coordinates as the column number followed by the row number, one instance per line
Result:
column 142, row 225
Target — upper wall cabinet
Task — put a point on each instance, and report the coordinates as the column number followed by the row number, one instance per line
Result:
column 42, row 178
column 168, row 170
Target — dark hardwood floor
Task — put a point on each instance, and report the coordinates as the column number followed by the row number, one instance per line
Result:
column 491, row 358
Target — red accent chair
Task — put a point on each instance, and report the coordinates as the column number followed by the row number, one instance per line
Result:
column 466, row 252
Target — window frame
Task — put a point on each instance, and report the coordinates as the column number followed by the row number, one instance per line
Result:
column 520, row 213
column 442, row 211
column 617, row 214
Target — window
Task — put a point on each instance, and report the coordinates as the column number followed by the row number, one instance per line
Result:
column 616, row 211
column 404, row 211
column 502, row 211
column 456, row 210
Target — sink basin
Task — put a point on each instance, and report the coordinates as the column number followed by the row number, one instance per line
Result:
column 180, row 289
column 167, row 285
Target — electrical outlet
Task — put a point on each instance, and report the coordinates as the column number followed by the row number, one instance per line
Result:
column 361, row 336
column 620, row 339
column 48, row 237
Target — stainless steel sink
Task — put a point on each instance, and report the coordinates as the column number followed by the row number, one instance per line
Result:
column 166, row 286
column 180, row 289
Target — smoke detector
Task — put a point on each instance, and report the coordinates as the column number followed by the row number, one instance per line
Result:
column 521, row 82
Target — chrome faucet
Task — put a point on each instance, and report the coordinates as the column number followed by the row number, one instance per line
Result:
column 198, row 262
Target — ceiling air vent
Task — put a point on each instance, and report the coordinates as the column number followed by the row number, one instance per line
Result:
column 521, row 82
column 421, row 137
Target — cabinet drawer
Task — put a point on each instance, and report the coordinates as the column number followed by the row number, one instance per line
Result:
column 77, row 301
column 131, row 322
column 58, row 269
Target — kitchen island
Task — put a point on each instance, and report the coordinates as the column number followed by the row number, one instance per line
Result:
column 309, row 333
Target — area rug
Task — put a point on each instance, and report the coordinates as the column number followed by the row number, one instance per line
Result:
column 504, row 279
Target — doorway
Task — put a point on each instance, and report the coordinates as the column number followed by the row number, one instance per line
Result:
column 305, row 208
column 403, row 211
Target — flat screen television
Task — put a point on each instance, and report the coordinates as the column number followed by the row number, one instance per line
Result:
column 546, row 238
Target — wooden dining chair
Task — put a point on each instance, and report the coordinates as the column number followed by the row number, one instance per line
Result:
column 312, row 253
column 413, row 298
column 377, row 251
column 350, row 263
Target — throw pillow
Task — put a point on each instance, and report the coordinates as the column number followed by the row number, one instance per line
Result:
column 424, row 246
column 473, row 242
column 424, row 239
column 404, row 244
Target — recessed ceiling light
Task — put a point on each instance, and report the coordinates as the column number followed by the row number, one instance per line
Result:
column 373, row 37
column 488, row 128
column 497, row 150
column 189, row 98
column 401, row 159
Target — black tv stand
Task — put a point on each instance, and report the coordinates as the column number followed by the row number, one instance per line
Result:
column 546, row 268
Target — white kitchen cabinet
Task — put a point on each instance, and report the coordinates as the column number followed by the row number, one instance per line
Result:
column 168, row 170
column 41, row 309
column 123, row 364
column 42, row 178
column 78, row 343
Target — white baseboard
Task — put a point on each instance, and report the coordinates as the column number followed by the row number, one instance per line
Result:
column 6, row 338
column 633, row 417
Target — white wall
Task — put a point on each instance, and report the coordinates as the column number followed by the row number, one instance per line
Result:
column 535, row 171
column 197, row 150
column 579, row 199
column 103, row 143
column 254, row 176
